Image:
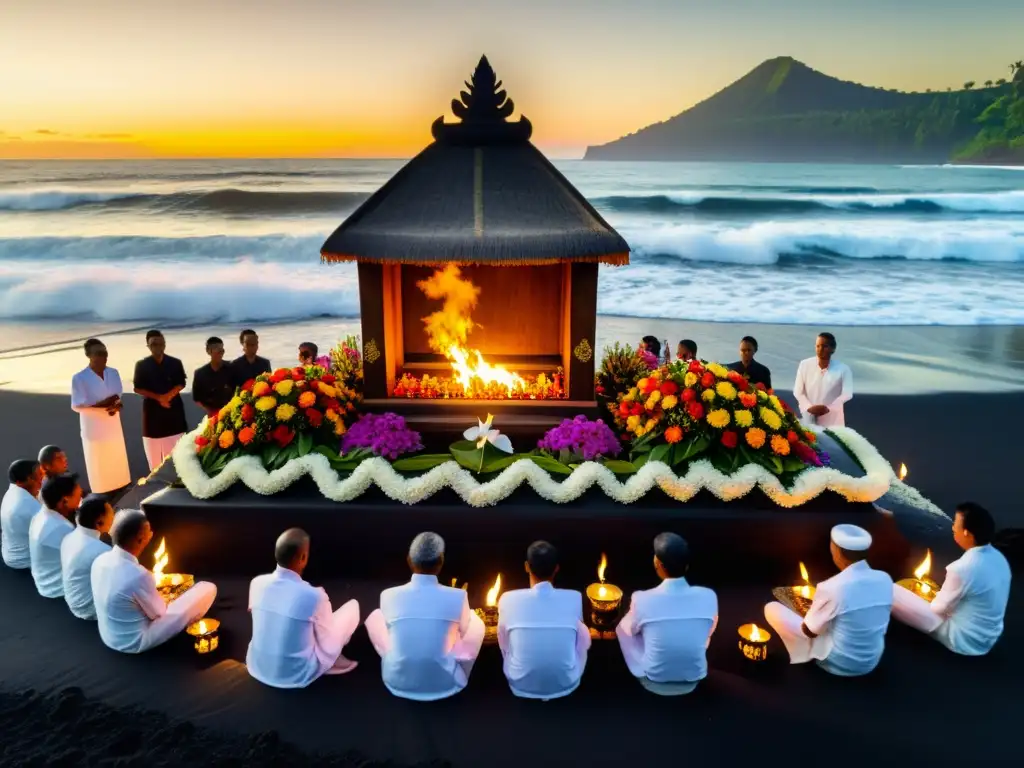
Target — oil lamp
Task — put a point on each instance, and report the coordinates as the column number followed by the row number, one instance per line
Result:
column 604, row 598
column 805, row 590
column 754, row 642
column 922, row 585
column 489, row 613
column 205, row 634
column 170, row 585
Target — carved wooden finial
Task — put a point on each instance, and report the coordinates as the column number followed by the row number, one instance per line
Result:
column 483, row 110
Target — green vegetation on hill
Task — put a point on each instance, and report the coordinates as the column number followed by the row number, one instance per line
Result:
column 785, row 111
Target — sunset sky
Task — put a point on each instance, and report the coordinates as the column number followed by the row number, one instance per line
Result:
column 336, row 78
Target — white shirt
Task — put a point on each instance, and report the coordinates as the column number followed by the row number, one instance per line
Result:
column 87, row 389
column 124, row 594
column 77, row 552
column 850, row 613
column 537, row 633
column 16, row 513
column 676, row 622
column 45, row 533
column 973, row 600
column 424, row 620
column 292, row 643
column 830, row 387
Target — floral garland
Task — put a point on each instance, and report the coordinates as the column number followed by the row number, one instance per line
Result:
column 879, row 479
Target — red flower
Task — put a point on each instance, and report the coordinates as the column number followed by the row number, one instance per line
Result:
column 689, row 395
column 247, row 387
column 328, row 378
column 282, row 435
column 333, row 404
column 315, row 417
column 248, row 412
column 707, row 380
column 695, row 366
column 623, row 408
column 298, row 374
column 202, row 442
column 748, row 400
column 625, row 437
column 743, row 384
column 736, row 377
column 599, row 389
column 792, row 436
column 213, row 417
column 760, row 385
column 729, row 438
column 636, row 409
column 650, row 384
column 669, row 388
column 283, row 373
column 696, row 410
column 400, row 391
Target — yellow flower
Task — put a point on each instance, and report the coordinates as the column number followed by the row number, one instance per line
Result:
column 755, row 437
column 285, row 412
column 762, row 395
column 744, row 418
column 669, row 402
column 726, row 390
column 632, row 422
column 260, row 388
column 690, row 379
column 327, row 389
column 780, row 445
column 642, row 384
column 227, row 439
column 720, row 371
column 284, row 388
column 708, row 394
column 266, row 403
column 233, row 403
column 776, row 404
column 631, row 395
column 718, row 418
column 339, row 428
column 307, row 400
column 652, row 401
column 650, row 425
column 771, row 418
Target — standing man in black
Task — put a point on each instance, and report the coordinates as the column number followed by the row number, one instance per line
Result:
column 748, row 367
column 249, row 365
column 213, row 385
column 159, row 380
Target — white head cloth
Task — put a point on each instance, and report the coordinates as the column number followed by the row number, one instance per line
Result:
column 851, row 537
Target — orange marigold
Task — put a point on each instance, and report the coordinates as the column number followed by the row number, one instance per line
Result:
column 246, row 435
column 307, row 399
column 260, row 388
column 780, row 445
column 811, row 437
column 226, row 440
column 755, row 437
column 673, row 435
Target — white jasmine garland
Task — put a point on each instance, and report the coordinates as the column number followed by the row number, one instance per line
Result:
column 878, row 480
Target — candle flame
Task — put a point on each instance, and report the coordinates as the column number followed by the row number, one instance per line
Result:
column 202, row 627
column 492, row 593
column 160, row 560
column 757, row 635
column 903, row 471
column 602, row 592
column 804, row 590
column 924, row 567
column 803, row 573
column 601, row 568
column 925, row 589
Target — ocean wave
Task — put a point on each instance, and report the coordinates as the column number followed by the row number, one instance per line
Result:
column 697, row 202
column 189, row 250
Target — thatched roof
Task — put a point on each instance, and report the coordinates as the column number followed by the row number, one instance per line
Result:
column 481, row 193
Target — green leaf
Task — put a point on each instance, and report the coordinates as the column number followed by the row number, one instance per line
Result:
column 305, row 443
column 467, row 454
column 330, row 453
column 792, row 464
column 661, row 453
column 723, row 463
column 620, row 467
column 505, row 461
column 689, row 448
column 270, row 454
column 550, row 465
column 640, row 460
column 422, row 462
column 775, row 465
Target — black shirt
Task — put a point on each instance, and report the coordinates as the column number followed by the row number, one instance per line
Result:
column 242, row 370
column 755, row 374
column 212, row 389
column 160, row 378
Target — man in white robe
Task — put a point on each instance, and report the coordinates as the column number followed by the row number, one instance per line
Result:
column 426, row 634
column 19, row 506
column 296, row 637
column 79, row 549
column 666, row 632
column 96, row 397
column 823, row 385
column 132, row 615
column 967, row 614
column 541, row 632
column 61, row 497
column 844, row 629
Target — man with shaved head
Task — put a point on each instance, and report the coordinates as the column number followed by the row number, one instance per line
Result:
column 132, row 615
column 425, row 632
column 296, row 637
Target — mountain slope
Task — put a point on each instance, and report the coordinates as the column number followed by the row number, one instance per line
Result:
column 783, row 110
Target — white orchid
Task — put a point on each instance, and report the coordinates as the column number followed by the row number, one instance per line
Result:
column 483, row 434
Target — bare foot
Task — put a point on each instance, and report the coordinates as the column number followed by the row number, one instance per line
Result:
column 341, row 666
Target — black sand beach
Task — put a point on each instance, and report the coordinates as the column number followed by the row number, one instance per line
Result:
column 957, row 446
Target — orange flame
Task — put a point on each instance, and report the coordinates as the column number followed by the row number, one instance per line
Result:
column 601, row 568
column 757, row 635
column 805, row 589
column 492, row 593
column 903, row 471
column 448, row 332
column 160, row 560
column 924, row 567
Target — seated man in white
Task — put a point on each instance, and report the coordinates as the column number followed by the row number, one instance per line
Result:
column 78, row 550
column 131, row 614
column 541, row 632
column 425, row 632
column 295, row 635
column 844, row 630
column 967, row 614
column 17, row 510
column 61, row 496
column 665, row 635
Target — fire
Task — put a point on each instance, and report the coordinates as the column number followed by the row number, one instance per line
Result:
column 757, row 635
column 924, row 567
column 601, row 567
column 202, row 627
column 903, row 471
column 805, row 589
column 160, row 560
column 492, row 593
column 448, row 334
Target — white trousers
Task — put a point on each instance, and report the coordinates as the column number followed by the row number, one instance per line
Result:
column 465, row 650
column 633, row 653
column 190, row 607
column 788, row 624
column 159, row 448
column 344, row 622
